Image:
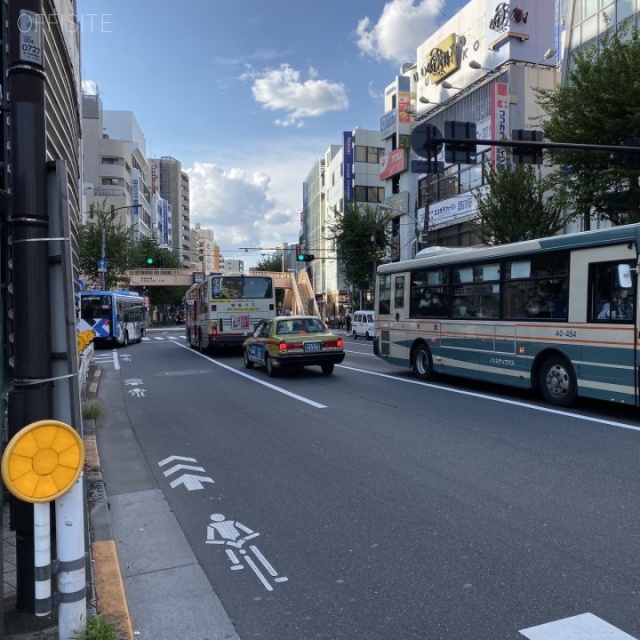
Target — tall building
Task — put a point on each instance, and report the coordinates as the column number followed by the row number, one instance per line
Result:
column 116, row 173
column 481, row 66
column 203, row 244
column 173, row 184
column 348, row 174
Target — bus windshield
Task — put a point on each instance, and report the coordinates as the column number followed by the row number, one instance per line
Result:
column 95, row 307
column 239, row 287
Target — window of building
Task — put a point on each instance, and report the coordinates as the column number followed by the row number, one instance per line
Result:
column 368, row 194
column 370, row 155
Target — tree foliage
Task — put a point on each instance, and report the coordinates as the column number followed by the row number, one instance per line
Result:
column 122, row 253
column 361, row 237
column 269, row 263
column 515, row 207
column 598, row 105
column 118, row 246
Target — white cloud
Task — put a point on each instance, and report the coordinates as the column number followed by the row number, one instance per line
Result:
column 400, row 29
column 238, row 207
column 281, row 89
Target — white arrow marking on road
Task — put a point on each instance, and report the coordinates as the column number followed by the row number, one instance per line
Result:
column 191, row 482
column 586, row 626
column 186, row 467
column 172, row 458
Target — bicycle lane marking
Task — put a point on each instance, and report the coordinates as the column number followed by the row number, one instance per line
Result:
column 295, row 396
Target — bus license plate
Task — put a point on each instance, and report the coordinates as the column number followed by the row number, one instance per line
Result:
column 313, row 346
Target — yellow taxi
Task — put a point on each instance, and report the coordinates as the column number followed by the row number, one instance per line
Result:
column 293, row 342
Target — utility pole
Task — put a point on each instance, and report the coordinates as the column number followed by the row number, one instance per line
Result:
column 31, row 396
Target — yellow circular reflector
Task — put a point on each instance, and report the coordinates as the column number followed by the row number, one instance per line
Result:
column 42, row 461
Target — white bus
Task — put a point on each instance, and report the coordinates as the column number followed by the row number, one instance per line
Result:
column 223, row 310
column 557, row 314
column 116, row 317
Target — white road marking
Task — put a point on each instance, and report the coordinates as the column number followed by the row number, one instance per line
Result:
column 473, row 394
column 172, row 458
column 585, row 626
column 295, row 396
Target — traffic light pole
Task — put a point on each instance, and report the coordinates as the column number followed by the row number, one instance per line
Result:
column 31, row 397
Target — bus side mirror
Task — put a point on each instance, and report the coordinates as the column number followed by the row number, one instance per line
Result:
column 624, row 276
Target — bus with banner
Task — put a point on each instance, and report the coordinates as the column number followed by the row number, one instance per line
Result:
column 558, row 315
column 223, row 310
column 116, row 317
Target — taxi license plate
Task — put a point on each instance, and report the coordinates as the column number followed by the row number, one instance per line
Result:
column 313, row 346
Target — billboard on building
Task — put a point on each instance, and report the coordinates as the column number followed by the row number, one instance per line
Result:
column 393, row 163
column 499, row 122
column 348, row 159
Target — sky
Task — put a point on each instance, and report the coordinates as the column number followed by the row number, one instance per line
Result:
column 248, row 95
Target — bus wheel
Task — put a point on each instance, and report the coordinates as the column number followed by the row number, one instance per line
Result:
column 201, row 344
column 247, row 363
column 558, row 382
column 268, row 363
column 422, row 363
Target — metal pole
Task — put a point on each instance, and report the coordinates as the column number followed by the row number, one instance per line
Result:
column 30, row 399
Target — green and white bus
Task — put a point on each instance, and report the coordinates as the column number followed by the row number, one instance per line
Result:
column 557, row 314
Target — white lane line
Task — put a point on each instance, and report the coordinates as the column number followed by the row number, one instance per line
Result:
column 473, row 394
column 586, row 626
column 295, row 396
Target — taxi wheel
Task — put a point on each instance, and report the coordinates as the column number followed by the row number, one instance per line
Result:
column 327, row 368
column 355, row 335
column 268, row 363
column 247, row 363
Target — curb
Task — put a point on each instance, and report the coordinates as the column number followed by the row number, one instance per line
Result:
column 110, row 595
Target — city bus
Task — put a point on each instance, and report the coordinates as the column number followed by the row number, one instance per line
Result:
column 557, row 315
column 222, row 310
column 116, row 317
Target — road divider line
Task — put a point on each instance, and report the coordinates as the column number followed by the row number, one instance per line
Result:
column 517, row 403
column 295, row 396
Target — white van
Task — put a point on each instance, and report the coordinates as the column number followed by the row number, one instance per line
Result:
column 362, row 325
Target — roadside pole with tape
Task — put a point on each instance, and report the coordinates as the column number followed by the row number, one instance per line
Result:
column 41, row 463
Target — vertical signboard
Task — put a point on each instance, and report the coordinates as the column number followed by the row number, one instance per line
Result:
column 348, row 158
column 499, row 122
column 165, row 222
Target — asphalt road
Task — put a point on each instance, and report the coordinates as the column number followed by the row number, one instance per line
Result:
column 368, row 505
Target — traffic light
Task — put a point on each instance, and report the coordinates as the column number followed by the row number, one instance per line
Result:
column 305, row 257
column 150, row 261
column 522, row 154
column 463, row 150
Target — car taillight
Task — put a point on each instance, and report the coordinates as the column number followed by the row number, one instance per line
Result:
column 340, row 343
column 282, row 346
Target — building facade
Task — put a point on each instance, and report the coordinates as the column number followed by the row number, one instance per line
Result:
column 116, row 173
column 347, row 175
column 173, row 185
column 481, row 66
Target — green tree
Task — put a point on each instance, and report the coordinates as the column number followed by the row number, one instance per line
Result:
column 597, row 105
column 269, row 263
column 118, row 248
column 361, row 236
column 515, row 207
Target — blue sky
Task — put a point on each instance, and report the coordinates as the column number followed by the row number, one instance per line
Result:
column 247, row 95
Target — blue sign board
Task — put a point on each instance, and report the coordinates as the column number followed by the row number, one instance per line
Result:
column 388, row 123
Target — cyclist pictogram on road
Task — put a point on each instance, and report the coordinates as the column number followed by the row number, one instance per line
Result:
column 233, row 536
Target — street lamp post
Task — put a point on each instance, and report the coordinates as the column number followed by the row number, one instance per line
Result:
column 417, row 229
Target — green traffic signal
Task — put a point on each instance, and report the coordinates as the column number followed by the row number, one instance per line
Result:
column 150, row 260
column 305, row 257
